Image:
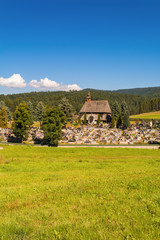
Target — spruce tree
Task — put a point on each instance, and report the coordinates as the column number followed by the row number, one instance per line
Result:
column 67, row 108
column 126, row 122
column 22, row 121
column 9, row 116
column 124, row 109
column 119, row 121
column 52, row 122
column 116, row 109
column 3, row 118
column 2, row 104
column 39, row 112
column 85, row 119
column 99, row 119
column 113, row 121
column 79, row 119
column 32, row 112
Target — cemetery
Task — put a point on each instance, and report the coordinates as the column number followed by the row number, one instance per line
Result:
column 145, row 132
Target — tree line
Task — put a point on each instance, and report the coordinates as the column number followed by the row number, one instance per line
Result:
column 136, row 104
column 76, row 99
column 150, row 105
column 36, row 113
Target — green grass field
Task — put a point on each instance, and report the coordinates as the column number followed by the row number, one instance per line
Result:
column 79, row 193
column 151, row 115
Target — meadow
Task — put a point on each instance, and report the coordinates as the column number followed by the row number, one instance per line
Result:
column 150, row 115
column 79, row 193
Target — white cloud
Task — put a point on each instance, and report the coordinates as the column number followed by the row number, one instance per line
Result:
column 74, row 87
column 52, row 85
column 15, row 81
column 34, row 84
column 44, row 83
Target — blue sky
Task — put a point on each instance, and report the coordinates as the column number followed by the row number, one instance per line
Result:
column 63, row 44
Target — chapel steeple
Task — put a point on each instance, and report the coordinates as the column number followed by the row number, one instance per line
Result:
column 89, row 97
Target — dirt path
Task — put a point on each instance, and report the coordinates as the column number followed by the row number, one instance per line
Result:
column 98, row 146
column 140, row 147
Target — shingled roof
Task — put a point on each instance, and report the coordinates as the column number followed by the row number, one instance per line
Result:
column 100, row 106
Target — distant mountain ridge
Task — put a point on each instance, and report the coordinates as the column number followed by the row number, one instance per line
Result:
column 149, row 91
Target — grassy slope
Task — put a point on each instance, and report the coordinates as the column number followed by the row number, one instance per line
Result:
column 150, row 115
column 53, row 193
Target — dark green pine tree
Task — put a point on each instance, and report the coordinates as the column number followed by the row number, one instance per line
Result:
column 67, row 108
column 39, row 112
column 116, row 110
column 113, row 121
column 9, row 116
column 99, row 119
column 31, row 109
column 119, row 121
column 79, row 119
column 52, row 122
column 3, row 117
column 85, row 119
column 22, row 121
column 2, row 104
column 158, row 104
column 124, row 109
column 126, row 122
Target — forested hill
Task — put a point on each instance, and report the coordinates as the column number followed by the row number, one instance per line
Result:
column 149, row 92
column 76, row 98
